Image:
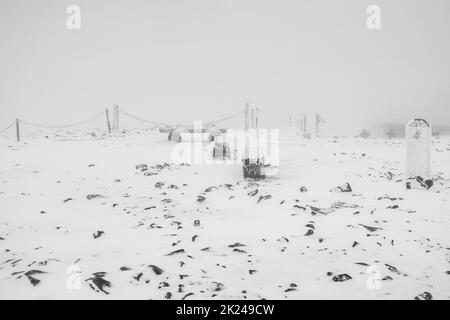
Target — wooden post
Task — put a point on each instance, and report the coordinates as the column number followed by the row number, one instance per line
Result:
column 17, row 130
column 247, row 114
column 107, row 121
column 116, row 118
column 305, row 127
column 253, row 119
column 257, row 133
column 317, row 125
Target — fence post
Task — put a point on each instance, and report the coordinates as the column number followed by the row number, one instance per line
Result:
column 253, row 118
column 116, row 118
column 317, row 125
column 257, row 132
column 107, row 121
column 17, row 130
column 247, row 114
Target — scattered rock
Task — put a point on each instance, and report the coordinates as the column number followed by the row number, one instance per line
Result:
column 175, row 252
column 371, row 229
column 124, row 269
column 303, row 189
column 157, row 270
column 98, row 283
column 264, row 198
column 93, row 196
column 98, row 234
column 424, row 296
column 237, row 244
column 341, row 277
column 343, row 188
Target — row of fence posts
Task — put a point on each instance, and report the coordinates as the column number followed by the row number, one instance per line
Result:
column 114, row 128
column 251, row 120
column 418, row 138
column 307, row 123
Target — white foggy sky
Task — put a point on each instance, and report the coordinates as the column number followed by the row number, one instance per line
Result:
column 186, row 60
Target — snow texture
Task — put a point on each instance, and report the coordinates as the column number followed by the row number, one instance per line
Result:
column 103, row 217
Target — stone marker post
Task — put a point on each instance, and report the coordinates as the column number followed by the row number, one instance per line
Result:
column 418, row 146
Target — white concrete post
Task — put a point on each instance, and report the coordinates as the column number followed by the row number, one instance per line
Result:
column 418, row 148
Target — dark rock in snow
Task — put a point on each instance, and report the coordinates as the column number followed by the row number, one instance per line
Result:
column 159, row 185
column 424, row 296
column 419, row 182
column 138, row 276
column 237, row 244
column 371, row 229
column 343, row 188
column 303, row 189
column 187, row 295
column 157, row 270
column 98, row 234
column 175, row 252
column 93, row 196
column 264, row 198
column 98, row 283
column 392, row 268
column 124, row 269
column 395, row 206
column 341, row 277
column 315, row 210
column 29, row 274
column 218, row 286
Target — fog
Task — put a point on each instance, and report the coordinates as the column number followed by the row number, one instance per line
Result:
column 178, row 61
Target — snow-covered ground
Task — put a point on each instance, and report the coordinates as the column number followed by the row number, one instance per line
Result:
column 82, row 204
